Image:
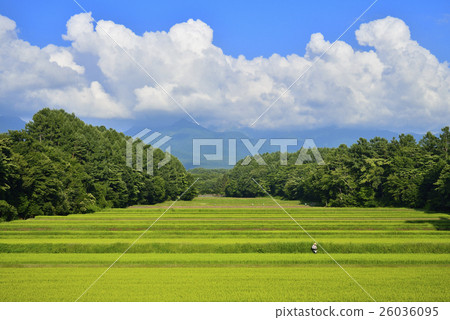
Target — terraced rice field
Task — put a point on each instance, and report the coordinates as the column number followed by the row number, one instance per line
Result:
column 225, row 249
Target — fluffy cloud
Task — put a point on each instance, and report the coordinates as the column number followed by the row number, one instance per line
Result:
column 63, row 58
column 32, row 78
column 396, row 84
column 90, row 101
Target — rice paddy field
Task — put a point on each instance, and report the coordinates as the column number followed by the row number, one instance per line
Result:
column 227, row 249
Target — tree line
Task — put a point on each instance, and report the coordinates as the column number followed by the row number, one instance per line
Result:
column 401, row 172
column 59, row 165
column 210, row 181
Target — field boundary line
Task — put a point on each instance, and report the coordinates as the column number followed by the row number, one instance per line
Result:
column 318, row 243
column 313, row 64
column 134, row 242
column 139, row 65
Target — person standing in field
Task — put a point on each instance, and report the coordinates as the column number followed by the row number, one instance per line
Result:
column 314, row 248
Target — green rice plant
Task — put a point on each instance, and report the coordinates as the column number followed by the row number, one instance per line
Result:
column 222, row 249
column 299, row 283
column 217, row 259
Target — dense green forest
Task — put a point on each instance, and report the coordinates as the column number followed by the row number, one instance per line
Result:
column 401, row 172
column 210, row 181
column 59, row 165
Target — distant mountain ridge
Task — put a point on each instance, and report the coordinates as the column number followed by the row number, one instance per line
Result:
column 183, row 131
column 329, row 137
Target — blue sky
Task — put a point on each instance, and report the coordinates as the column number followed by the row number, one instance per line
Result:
column 251, row 28
column 389, row 71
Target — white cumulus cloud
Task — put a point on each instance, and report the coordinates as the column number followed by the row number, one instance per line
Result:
column 63, row 58
column 90, row 101
column 108, row 71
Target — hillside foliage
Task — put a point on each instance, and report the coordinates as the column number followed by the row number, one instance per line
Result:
column 401, row 172
column 59, row 165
